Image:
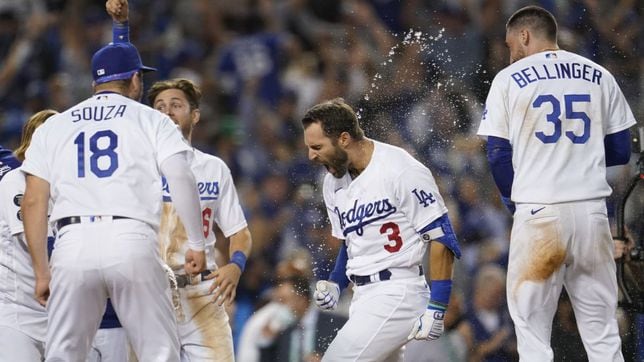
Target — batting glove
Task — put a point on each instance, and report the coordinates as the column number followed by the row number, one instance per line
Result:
column 429, row 326
column 326, row 294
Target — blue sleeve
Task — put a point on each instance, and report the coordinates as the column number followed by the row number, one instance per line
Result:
column 499, row 155
column 339, row 273
column 618, row 148
column 120, row 32
column 443, row 226
column 8, row 161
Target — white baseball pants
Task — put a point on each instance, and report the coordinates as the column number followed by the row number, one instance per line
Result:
column 117, row 259
column 205, row 333
column 16, row 346
column 569, row 245
column 380, row 318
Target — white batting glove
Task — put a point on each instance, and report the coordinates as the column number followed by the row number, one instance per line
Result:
column 429, row 326
column 326, row 294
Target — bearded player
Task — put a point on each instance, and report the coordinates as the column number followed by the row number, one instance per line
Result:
column 386, row 207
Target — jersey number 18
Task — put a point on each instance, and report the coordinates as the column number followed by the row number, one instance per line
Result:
column 101, row 145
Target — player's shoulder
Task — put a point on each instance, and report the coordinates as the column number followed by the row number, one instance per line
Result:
column 211, row 162
column 387, row 154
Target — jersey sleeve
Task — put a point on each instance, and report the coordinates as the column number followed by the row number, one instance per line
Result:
column 494, row 121
column 169, row 140
column 418, row 195
column 620, row 115
column 329, row 202
column 36, row 155
column 229, row 216
column 11, row 192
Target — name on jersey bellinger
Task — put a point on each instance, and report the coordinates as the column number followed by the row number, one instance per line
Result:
column 549, row 71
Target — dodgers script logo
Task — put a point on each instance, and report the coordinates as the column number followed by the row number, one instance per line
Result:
column 359, row 216
column 208, row 190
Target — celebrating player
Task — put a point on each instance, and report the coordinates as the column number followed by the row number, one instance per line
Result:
column 23, row 322
column 205, row 333
column 386, row 207
column 204, row 330
column 554, row 121
column 100, row 163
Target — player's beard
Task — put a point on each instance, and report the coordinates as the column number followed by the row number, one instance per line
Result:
column 338, row 162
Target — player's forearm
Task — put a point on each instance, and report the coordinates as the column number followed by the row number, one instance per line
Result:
column 34, row 211
column 241, row 244
column 441, row 262
column 185, row 197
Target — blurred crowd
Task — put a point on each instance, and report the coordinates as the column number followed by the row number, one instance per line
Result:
column 417, row 72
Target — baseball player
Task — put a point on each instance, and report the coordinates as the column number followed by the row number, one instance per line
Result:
column 554, row 120
column 23, row 322
column 204, row 330
column 101, row 162
column 386, row 208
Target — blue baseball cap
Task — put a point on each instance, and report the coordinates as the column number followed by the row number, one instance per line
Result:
column 117, row 61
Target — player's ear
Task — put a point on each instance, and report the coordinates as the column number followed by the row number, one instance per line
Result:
column 524, row 37
column 344, row 139
column 195, row 115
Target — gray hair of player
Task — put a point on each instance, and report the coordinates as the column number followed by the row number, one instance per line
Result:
column 336, row 117
column 537, row 19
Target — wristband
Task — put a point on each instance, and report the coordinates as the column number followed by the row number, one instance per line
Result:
column 120, row 32
column 440, row 292
column 238, row 258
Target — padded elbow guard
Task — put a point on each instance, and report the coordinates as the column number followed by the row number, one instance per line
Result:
column 441, row 231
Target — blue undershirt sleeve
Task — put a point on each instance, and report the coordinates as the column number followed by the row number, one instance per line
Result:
column 618, row 148
column 339, row 273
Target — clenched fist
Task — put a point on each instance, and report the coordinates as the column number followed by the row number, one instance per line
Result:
column 326, row 294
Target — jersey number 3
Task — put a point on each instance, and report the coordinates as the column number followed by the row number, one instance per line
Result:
column 393, row 234
column 101, row 145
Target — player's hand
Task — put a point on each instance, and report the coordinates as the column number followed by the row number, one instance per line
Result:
column 428, row 326
column 623, row 248
column 326, row 294
column 225, row 283
column 41, row 291
column 195, row 262
column 118, row 10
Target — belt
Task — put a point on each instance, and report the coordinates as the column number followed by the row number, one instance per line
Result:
column 61, row 223
column 382, row 275
column 184, row 280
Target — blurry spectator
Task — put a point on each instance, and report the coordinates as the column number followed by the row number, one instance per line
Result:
column 308, row 334
column 489, row 321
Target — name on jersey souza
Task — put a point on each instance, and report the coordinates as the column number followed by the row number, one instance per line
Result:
column 208, row 190
column 98, row 113
column 549, row 71
column 360, row 215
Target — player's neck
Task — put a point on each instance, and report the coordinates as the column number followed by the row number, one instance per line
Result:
column 360, row 157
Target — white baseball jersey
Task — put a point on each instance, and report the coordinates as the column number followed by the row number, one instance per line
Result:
column 219, row 204
column 18, row 307
column 380, row 212
column 555, row 108
column 110, row 143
